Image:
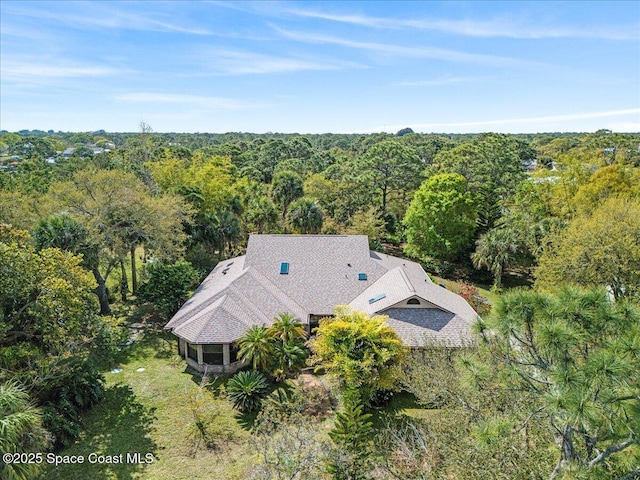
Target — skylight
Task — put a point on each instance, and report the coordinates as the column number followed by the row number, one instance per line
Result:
column 362, row 276
column 377, row 297
column 284, row 268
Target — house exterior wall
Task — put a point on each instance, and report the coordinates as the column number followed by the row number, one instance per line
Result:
column 200, row 366
column 403, row 304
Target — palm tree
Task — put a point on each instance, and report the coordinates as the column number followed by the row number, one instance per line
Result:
column 287, row 327
column 63, row 232
column 262, row 213
column 20, row 430
column 286, row 187
column 289, row 358
column 306, row 216
column 496, row 250
column 66, row 233
column 256, row 347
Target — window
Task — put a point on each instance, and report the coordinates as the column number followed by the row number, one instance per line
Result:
column 212, row 355
column 284, row 268
column 362, row 276
column 192, row 352
column 314, row 321
column 377, row 297
column 413, row 301
column 233, row 352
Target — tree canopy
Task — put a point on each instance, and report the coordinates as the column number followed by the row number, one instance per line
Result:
column 441, row 218
column 362, row 351
column 391, row 169
column 576, row 353
column 599, row 249
column 51, row 336
column 492, row 165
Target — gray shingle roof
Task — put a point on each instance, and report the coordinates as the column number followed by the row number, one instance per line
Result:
column 417, row 327
column 323, row 272
column 323, row 269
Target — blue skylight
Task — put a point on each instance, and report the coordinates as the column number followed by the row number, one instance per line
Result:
column 362, row 276
column 377, row 297
column 284, row 268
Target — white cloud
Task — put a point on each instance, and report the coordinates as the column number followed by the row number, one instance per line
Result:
column 36, row 70
column 215, row 103
column 382, row 49
column 436, row 82
column 498, row 27
column 237, row 63
column 103, row 17
column 506, row 122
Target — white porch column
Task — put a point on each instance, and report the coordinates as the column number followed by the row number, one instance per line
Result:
column 200, row 360
column 226, row 355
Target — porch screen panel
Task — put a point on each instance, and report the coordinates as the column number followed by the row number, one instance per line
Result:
column 192, row 352
column 233, row 352
column 212, row 354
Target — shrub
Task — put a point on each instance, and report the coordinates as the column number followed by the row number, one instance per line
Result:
column 246, row 390
column 168, row 286
column 361, row 351
column 470, row 293
column 66, row 398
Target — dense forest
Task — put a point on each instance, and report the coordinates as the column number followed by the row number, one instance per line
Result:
column 93, row 224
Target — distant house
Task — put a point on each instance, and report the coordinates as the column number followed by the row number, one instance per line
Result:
column 307, row 276
column 68, row 152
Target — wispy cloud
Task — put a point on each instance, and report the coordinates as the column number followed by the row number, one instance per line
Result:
column 510, row 121
column 498, row 27
column 103, row 17
column 233, row 62
column 35, row 70
column 213, row 103
column 383, row 49
column 437, row 82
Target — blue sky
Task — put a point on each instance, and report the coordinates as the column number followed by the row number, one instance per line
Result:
column 316, row 67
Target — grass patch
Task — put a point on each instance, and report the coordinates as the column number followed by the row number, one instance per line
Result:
column 149, row 411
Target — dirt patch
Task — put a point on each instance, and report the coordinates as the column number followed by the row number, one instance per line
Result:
column 317, row 395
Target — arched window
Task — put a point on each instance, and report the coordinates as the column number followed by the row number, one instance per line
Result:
column 413, row 301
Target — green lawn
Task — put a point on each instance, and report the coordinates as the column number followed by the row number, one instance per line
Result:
column 148, row 412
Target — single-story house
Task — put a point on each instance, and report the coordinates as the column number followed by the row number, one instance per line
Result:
column 307, row 276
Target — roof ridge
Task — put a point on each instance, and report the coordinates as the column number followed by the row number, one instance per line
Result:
column 406, row 279
column 456, row 299
column 237, row 295
column 262, row 279
column 193, row 318
column 206, row 302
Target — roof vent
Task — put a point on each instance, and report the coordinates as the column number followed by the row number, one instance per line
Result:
column 284, row 268
column 377, row 297
column 362, row 276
